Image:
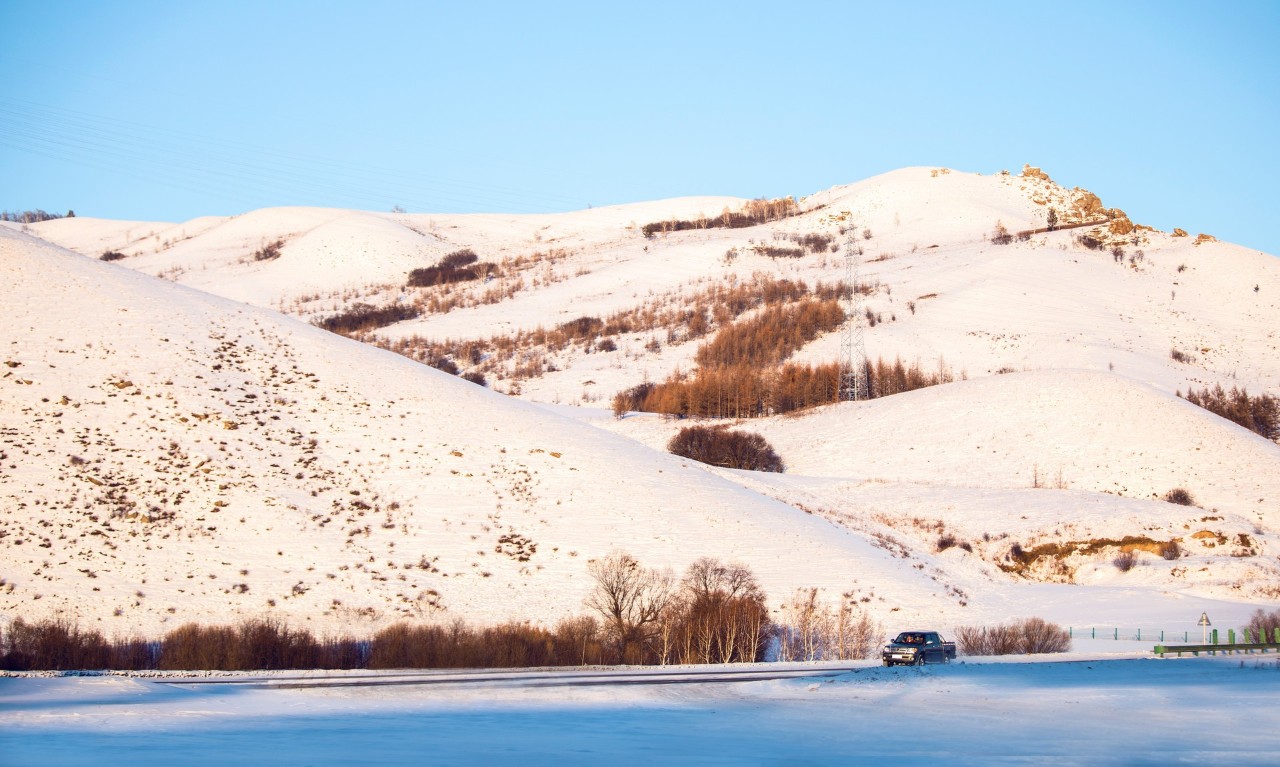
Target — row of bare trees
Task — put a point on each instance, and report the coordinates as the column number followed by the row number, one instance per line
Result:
column 715, row 613
column 813, row 630
column 32, row 216
column 749, row 391
column 758, row 211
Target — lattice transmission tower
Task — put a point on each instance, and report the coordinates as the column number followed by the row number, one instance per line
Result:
column 853, row 348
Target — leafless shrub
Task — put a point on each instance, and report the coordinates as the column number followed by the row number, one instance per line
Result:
column 1000, row 235
column 1180, row 496
column 1030, row 635
column 111, row 255
column 729, row 449
column 362, row 318
column 459, row 266
column 269, row 251
column 1180, row 356
column 1125, row 561
column 778, row 251
column 815, row 242
column 1264, row 625
column 1170, row 550
column 1039, row 636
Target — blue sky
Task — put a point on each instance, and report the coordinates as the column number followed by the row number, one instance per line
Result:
column 167, row 111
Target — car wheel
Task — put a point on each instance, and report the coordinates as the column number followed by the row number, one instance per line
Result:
column 920, row 659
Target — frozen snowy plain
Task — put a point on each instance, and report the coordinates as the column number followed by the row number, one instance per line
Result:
column 1091, row 708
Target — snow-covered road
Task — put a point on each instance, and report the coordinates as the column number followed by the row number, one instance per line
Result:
column 1085, row 711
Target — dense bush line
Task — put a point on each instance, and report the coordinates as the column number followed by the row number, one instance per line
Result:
column 255, row 644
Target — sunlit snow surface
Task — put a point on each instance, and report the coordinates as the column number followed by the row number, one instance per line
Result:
column 1087, row 710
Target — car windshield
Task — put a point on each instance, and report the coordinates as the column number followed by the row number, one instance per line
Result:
column 911, row 639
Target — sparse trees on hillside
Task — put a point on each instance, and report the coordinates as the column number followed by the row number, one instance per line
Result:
column 1259, row 414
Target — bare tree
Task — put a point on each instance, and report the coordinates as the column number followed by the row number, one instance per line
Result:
column 630, row 598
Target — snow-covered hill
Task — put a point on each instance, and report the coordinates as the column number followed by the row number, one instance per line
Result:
column 170, row 453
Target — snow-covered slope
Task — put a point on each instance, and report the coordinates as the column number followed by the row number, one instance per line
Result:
column 191, row 456
column 169, row 455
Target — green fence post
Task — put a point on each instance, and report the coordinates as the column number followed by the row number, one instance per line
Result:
column 1248, row 636
column 1278, row 635
column 1161, row 636
column 1093, row 632
column 1139, row 635
column 1069, row 634
column 1231, row 636
column 1215, row 636
column 1117, row 637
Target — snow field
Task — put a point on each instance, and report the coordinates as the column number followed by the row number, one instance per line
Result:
column 1086, row 711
